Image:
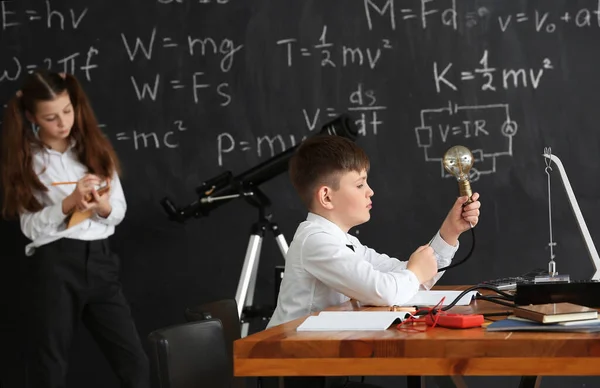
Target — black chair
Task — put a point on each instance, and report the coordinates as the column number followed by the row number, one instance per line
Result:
column 324, row 382
column 191, row 355
column 226, row 311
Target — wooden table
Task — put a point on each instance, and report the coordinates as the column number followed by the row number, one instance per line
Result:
column 282, row 351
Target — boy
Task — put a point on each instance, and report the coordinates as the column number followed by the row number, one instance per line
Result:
column 325, row 266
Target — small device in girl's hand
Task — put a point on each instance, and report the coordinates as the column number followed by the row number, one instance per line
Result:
column 77, row 217
column 103, row 188
column 100, row 189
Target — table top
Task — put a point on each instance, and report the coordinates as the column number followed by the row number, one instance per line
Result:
column 283, row 351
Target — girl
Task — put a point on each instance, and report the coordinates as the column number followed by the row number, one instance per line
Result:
column 48, row 174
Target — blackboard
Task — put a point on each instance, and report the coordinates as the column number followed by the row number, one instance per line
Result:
column 189, row 89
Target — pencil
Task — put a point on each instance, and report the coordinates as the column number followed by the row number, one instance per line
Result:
column 63, row 183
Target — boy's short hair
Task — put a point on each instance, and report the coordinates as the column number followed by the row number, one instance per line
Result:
column 321, row 160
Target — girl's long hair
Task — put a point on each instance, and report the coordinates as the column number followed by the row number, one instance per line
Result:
column 19, row 181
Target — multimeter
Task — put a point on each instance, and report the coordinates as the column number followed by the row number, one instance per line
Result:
column 456, row 321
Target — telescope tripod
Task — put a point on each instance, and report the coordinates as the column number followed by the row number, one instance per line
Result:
column 244, row 295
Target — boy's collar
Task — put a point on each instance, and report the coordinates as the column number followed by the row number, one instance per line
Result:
column 331, row 226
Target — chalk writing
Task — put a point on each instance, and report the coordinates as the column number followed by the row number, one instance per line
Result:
column 265, row 145
column 510, row 78
column 546, row 22
column 153, row 140
column 348, row 56
column 424, row 12
column 197, row 84
column 271, row 145
column 72, row 63
column 218, row 68
column 51, row 17
column 487, row 130
column 362, row 102
column 225, row 49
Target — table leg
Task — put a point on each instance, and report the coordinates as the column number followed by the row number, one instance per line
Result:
column 530, row 381
column 413, row 381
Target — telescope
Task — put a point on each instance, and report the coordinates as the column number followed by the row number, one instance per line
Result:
column 226, row 187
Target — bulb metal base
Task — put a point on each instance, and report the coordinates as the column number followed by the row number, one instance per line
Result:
column 464, row 187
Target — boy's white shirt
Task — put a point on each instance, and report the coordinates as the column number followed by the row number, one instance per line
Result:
column 322, row 271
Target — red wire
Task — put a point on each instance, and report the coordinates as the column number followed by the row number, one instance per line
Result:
column 432, row 313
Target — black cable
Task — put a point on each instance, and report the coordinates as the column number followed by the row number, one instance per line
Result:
column 499, row 297
column 466, row 257
column 473, row 288
column 498, row 314
column 497, row 301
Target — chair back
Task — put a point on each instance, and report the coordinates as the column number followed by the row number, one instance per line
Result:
column 226, row 311
column 191, row 355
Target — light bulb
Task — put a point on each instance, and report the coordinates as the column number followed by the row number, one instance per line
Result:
column 458, row 161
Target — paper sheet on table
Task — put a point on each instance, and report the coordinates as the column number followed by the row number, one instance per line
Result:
column 431, row 298
column 351, row 320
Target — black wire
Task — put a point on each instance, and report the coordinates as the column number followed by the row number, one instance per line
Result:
column 465, row 292
column 498, row 314
column 498, row 297
column 473, row 288
column 493, row 299
column 498, row 301
column 466, row 257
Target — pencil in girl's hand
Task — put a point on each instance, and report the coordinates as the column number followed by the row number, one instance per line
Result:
column 63, row 183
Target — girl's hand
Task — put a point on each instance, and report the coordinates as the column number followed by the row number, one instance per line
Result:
column 101, row 202
column 86, row 197
column 81, row 195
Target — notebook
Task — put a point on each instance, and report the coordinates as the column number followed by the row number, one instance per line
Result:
column 523, row 325
column 352, row 320
column 588, row 322
column 77, row 217
column 555, row 312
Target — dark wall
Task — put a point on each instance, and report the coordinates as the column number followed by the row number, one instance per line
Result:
column 189, row 89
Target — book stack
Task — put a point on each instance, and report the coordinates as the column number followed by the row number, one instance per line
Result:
column 550, row 317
